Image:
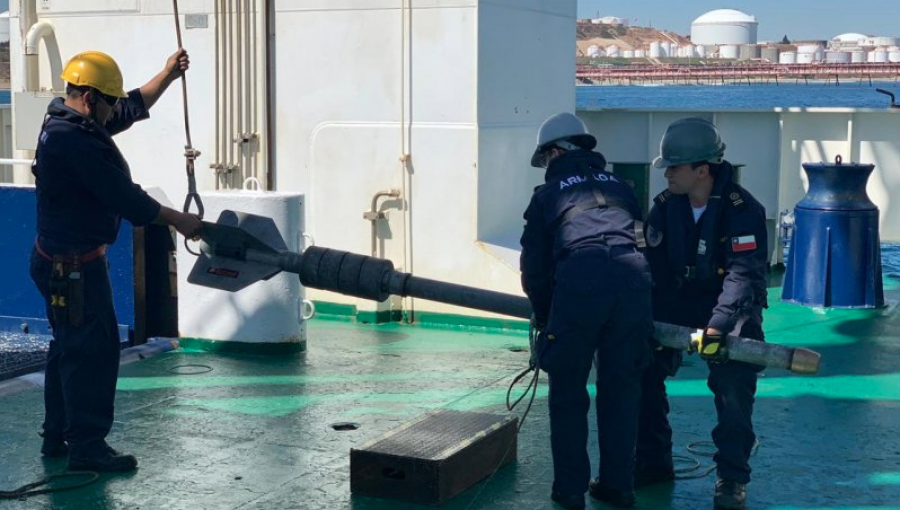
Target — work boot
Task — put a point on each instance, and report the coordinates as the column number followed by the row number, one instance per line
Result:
column 568, row 501
column 54, row 445
column 730, row 495
column 645, row 475
column 610, row 495
column 100, row 458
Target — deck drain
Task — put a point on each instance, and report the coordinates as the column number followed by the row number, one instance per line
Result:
column 190, row 369
column 344, row 425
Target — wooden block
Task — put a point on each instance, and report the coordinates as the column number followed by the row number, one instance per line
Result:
column 434, row 457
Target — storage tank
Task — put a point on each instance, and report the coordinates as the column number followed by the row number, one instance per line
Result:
column 655, row 49
column 882, row 41
column 728, row 51
column 4, row 27
column 837, row 57
column 640, row 53
column 628, row 54
column 724, row 26
column 593, row 50
column 612, row 51
column 808, row 48
column 806, row 58
column 787, row 57
column 858, row 57
column 893, row 56
column 880, row 56
column 749, row 52
column 701, row 51
column 690, row 51
column 770, row 54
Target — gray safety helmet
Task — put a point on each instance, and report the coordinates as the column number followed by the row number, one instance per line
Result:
column 562, row 127
column 690, row 140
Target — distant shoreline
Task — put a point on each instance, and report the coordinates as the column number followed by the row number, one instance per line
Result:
column 732, row 83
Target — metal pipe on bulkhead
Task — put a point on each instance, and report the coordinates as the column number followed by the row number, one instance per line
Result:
column 373, row 215
column 229, row 94
column 36, row 31
column 216, row 164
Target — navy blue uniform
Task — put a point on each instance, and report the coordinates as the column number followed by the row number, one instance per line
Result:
column 590, row 287
column 711, row 273
column 84, row 188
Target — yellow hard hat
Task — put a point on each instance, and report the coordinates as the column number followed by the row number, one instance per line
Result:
column 95, row 69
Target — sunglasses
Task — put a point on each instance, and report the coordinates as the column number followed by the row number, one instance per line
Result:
column 111, row 101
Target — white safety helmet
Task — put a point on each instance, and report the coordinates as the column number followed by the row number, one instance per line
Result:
column 562, row 127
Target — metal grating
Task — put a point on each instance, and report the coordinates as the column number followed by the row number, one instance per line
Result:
column 21, row 353
column 438, row 434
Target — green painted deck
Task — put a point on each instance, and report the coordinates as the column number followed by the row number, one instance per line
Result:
column 226, row 431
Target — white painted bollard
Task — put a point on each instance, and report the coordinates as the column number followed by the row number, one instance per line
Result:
column 268, row 316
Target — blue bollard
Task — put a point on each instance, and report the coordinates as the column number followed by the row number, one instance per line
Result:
column 835, row 252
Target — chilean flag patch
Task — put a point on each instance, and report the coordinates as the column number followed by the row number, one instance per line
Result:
column 743, row 243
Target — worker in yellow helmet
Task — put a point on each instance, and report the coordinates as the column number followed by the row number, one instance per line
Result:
column 84, row 189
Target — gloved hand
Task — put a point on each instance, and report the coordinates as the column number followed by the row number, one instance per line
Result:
column 712, row 346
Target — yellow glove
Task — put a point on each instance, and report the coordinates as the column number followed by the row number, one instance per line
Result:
column 711, row 345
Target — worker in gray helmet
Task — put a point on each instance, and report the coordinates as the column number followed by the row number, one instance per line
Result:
column 589, row 287
column 706, row 243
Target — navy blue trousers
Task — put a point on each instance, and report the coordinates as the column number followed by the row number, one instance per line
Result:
column 600, row 314
column 733, row 384
column 83, row 362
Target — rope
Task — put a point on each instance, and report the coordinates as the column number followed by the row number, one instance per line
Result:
column 532, row 387
column 31, row 489
column 702, row 449
column 190, row 153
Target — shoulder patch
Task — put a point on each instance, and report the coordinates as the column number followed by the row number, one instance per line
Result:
column 654, row 236
column 736, row 199
column 662, row 197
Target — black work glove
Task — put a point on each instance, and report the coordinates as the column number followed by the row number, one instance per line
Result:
column 713, row 347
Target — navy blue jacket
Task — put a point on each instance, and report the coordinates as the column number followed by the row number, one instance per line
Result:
column 83, row 182
column 712, row 273
column 569, row 181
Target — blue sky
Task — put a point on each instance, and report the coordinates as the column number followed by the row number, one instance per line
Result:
column 798, row 19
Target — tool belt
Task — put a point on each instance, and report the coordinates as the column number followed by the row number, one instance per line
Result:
column 67, row 284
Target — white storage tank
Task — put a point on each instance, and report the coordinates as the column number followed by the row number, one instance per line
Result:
column 894, row 56
column 749, row 52
column 880, row 56
column 881, row 41
column 593, row 51
column 769, row 53
column 787, row 57
column 806, row 58
column 728, row 51
column 690, row 51
column 701, row 51
column 808, row 48
column 4, row 27
column 837, row 57
column 266, row 312
column 628, row 53
column 655, row 49
column 640, row 53
column 858, row 57
column 612, row 51
column 724, row 26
